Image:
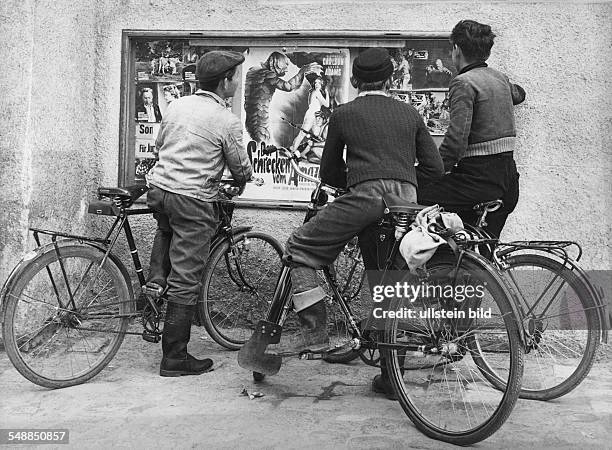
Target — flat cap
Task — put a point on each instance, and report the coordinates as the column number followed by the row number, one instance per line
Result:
column 213, row 64
column 373, row 64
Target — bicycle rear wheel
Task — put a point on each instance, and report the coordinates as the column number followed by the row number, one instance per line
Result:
column 564, row 325
column 65, row 318
column 237, row 287
column 431, row 365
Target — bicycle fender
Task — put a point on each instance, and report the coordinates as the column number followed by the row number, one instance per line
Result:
column 16, row 272
column 597, row 292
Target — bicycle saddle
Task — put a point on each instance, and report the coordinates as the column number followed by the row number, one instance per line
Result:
column 491, row 206
column 396, row 204
column 126, row 194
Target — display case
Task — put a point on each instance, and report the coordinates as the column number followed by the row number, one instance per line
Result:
column 281, row 100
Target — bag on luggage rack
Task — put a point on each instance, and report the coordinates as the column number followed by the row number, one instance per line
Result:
column 421, row 242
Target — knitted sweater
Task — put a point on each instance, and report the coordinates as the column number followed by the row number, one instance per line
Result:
column 383, row 138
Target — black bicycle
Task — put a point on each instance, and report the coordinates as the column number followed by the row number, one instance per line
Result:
column 436, row 344
column 563, row 312
column 67, row 306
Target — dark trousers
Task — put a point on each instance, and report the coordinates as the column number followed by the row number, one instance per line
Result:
column 192, row 223
column 475, row 180
column 319, row 241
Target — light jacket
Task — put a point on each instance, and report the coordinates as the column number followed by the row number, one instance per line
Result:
column 481, row 114
column 197, row 139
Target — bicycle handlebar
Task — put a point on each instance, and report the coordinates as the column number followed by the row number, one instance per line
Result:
column 229, row 187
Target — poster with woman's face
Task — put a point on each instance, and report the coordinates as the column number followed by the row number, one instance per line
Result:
column 287, row 98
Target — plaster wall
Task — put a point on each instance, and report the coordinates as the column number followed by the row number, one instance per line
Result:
column 59, row 111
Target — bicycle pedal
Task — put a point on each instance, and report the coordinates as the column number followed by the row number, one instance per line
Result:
column 309, row 356
column 154, row 290
column 151, row 337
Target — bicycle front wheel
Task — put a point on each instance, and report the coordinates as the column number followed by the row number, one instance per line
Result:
column 562, row 320
column 66, row 317
column 427, row 349
column 237, row 287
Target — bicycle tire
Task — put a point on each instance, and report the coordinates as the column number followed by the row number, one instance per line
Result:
column 429, row 396
column 563, row 353
column 98, row 291
column 229, row 309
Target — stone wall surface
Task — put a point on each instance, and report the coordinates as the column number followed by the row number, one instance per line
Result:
column 59, row 114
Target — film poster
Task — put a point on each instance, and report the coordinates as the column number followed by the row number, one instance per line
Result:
column 287, row 99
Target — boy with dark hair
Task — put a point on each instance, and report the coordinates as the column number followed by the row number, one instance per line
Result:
column 477, row 149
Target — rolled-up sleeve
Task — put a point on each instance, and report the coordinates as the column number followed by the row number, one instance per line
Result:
column 454, row 145
column 235, row 153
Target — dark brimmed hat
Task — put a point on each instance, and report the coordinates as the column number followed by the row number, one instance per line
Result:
column 372, row 65
column 214, row 64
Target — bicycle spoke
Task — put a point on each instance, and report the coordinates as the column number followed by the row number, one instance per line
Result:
column 34, row 300
column 237, row 289
column 36, row 332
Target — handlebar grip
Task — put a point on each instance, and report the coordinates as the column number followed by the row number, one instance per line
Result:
column 283, row 151
column 257, row 181
column 269, row 150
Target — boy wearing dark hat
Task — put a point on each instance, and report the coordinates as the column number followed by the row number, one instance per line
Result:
column 383, row 137
column 198, row 138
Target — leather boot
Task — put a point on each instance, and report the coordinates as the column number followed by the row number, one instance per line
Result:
column 308, row 301
column 381, row 384
column 313, row 321
column 177, row 332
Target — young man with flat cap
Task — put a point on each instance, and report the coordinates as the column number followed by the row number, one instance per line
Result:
column 198, row 138
column 383, row 137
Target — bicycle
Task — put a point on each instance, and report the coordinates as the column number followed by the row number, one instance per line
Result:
column 444, row 393
column 546, row 281
column 563, row 313
column 67, row 306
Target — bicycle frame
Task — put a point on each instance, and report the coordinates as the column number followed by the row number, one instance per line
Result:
column 121, row 223
column 281, row 299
